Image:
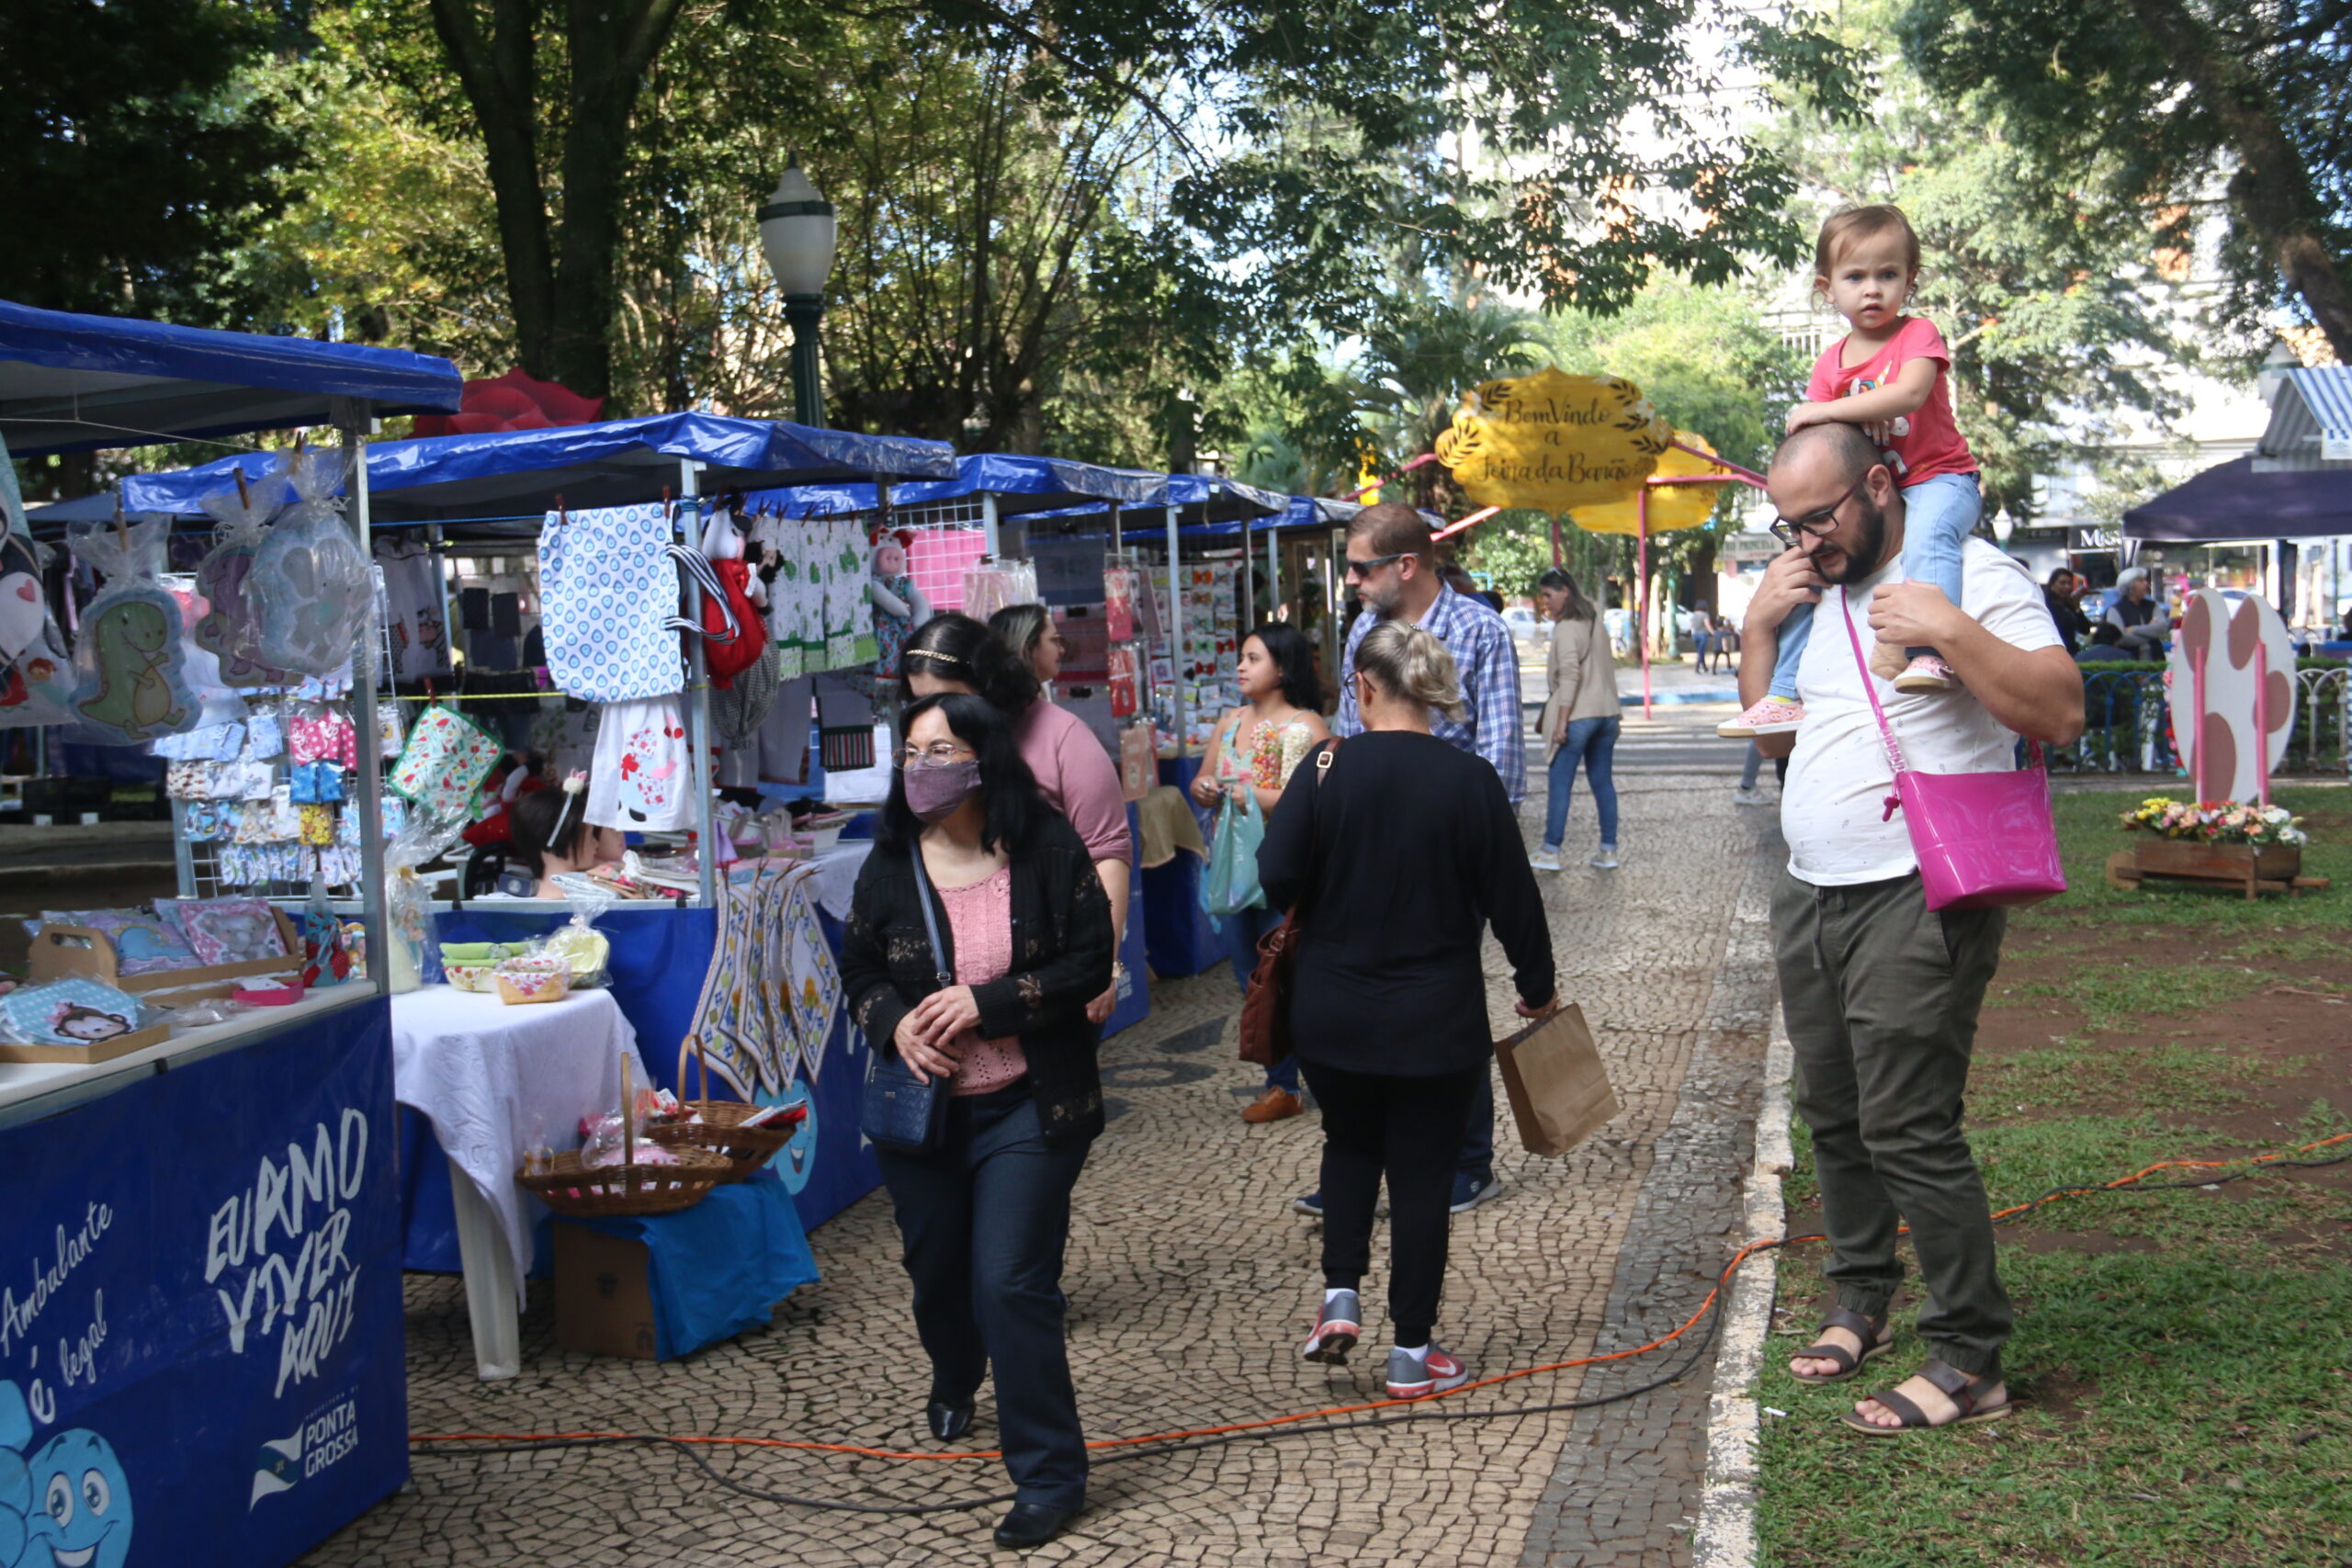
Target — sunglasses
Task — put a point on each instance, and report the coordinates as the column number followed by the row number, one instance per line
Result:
column 1817, row 523
column 1366, row 567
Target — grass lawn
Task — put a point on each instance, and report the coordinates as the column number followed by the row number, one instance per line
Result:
column 2183, row 1360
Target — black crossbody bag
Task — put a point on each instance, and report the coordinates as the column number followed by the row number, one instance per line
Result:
column 903, row 1111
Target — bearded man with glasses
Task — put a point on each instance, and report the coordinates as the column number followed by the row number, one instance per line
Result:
column 1880, row 993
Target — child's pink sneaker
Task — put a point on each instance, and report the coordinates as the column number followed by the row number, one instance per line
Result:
column 1773, row 716
column 1927, row 673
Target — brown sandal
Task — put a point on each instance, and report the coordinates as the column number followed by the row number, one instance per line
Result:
column 1962, row 1389
column 1866, row 1329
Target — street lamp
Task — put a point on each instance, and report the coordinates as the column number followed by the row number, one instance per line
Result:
column 797, row 232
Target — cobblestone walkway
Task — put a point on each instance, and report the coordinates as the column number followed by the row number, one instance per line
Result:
column 1190, row 1283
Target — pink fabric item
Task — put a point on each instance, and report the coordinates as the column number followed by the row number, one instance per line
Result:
column 979, row 923
column 1076, row 778
column 1934, row 445
column 328, row 737
column 1984, row 840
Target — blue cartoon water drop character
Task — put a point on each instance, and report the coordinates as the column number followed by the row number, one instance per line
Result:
column 67, row 1506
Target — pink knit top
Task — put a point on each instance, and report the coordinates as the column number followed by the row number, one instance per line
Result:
column 980, row 922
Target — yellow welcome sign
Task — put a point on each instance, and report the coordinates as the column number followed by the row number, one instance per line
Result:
column 1554, row 442
column 1671, row 506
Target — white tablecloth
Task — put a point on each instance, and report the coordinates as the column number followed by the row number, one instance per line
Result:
column 496, row 1080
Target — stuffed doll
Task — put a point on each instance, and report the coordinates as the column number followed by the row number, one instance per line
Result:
column 898, row 605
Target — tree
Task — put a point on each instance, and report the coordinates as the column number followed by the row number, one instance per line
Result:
column 560, row 268
column 2166, row 100
column 136, row 151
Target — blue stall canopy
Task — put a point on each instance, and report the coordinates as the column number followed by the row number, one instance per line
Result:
column 1022, row 485
column 73, row 383
column 2233, row 501
column 1206, row 503
column 509, row 476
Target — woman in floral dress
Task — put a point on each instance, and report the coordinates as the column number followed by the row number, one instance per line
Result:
column 1256, row 747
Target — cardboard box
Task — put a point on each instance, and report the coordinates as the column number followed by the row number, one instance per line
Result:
column 603, row 1293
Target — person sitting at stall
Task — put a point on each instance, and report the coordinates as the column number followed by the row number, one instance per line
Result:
column 953, row 652
column 552, row 835
column 1030, row 632
column 2064, row 596
column 985, row 1216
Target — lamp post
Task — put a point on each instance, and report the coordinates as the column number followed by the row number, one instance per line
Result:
column 797, row 232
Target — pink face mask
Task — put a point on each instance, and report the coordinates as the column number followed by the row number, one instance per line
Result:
column 936, row 790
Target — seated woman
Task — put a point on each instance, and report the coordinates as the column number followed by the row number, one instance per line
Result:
column 1025, row 942
column 551, row 834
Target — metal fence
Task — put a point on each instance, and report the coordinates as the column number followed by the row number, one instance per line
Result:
column 2127, row 725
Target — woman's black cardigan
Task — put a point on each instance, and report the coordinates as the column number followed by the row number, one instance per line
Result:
column 1062, row 951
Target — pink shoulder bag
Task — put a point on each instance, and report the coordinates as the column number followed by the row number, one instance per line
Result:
column 1984, row 840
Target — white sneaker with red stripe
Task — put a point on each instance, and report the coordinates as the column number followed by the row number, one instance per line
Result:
column 1336, row 1329
column 1412, row 1376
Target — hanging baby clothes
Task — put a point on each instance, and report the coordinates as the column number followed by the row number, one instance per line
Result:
column 131, row 679
column 36, row 679
column 413, row 594
column 608, row 591
column 643, row 777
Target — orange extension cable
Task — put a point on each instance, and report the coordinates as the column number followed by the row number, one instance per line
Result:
column 1687, row 1323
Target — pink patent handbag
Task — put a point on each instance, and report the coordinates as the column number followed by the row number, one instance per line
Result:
column 1984, row 840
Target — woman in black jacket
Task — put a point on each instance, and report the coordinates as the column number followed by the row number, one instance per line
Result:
column 1026, row 931
column 1397, row 851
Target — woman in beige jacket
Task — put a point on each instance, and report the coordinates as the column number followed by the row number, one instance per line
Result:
column 1580, row 714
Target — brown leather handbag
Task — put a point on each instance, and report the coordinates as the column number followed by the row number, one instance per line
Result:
column 1265, row 1005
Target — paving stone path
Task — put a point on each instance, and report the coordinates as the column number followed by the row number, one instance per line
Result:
column 1190, row 1284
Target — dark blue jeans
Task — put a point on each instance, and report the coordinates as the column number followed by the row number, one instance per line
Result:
column 1240, row 935
column 1592, row 741
column 985, row 1221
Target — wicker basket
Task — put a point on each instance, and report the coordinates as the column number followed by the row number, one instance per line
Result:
column 616, row 1191
column 718, row 1132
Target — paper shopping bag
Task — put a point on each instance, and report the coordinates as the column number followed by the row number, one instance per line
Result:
column 1559, row 1091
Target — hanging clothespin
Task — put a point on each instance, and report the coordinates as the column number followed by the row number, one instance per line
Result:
column 244, row 496
column 562, row 513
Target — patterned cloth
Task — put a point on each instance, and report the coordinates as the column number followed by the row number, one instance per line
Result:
column 1482, row 649
column 1265, row 753
column 773, row 989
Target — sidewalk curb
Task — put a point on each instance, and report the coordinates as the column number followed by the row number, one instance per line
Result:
column 1725, row 1536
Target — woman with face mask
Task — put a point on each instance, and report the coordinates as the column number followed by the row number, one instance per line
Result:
column 1026, row 935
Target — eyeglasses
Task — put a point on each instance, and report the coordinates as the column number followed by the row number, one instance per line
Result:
column 1366, row 567
column 938, row 752
column 1818, row 523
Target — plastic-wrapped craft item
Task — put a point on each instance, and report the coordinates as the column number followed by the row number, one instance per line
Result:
column 130, row 675
column 531, row 979
column 36, row 676
column 309, row 587
column 407, row 901
column 585, row 951
column 230, row 630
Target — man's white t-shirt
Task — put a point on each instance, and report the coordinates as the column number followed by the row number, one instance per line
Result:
column 1833, row 806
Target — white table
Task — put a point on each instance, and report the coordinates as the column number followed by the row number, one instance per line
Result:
column 494, row 1080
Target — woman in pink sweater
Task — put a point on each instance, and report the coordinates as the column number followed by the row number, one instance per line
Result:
column 955, row 653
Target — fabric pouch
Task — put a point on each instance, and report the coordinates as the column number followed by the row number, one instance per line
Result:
column 608, row 593
column 643, row 777
column 443, row 766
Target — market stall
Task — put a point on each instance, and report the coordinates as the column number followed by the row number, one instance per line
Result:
column 970, row 547
column 695, row 963
column 211, row 1339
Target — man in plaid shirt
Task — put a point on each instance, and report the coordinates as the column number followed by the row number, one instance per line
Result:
column 1390, row 564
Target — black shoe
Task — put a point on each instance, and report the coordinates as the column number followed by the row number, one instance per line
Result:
column 1031, row 1524
column 947, row 1421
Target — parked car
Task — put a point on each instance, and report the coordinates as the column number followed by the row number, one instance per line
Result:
column 1522, row 622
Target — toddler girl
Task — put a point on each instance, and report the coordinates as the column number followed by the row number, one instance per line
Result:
column 1888, row 376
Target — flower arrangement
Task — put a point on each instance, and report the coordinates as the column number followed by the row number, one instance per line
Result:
column 2217, row 822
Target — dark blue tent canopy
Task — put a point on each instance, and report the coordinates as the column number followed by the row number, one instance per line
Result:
column 72, row 383
column 511, row 475
column 2230, row 500
column 1022, row 485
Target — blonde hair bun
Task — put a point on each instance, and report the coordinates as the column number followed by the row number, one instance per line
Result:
column 1408, row 662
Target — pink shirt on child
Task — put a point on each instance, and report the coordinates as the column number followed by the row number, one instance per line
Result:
column 1934, row 445
column 980, row 922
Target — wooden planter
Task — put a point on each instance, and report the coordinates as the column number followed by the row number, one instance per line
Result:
column 2276, row 868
